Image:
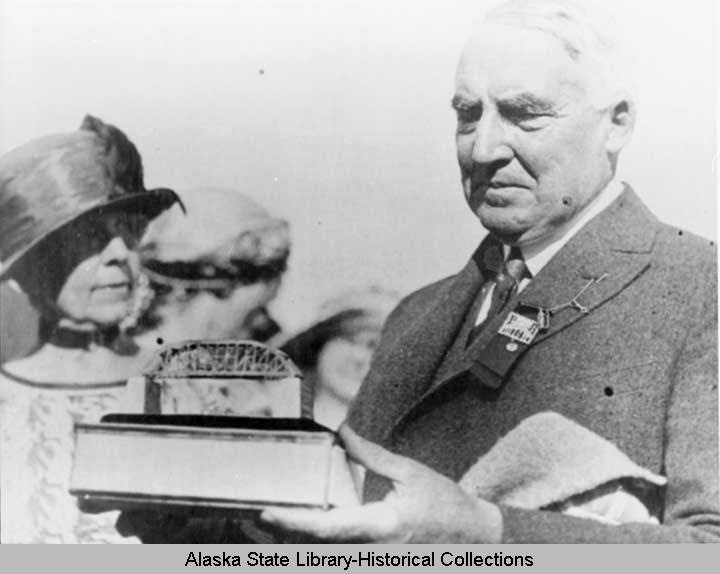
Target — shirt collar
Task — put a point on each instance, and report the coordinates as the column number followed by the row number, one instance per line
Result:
column 537, row 254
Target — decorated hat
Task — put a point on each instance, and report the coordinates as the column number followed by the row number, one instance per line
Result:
column 226, row 237
column 53, row 181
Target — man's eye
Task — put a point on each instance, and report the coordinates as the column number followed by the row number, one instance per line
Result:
column 466, row 120
column 466, row 128
column 468, row 115
column 528, row 120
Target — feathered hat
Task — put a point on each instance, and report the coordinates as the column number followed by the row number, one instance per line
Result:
column 52, row 181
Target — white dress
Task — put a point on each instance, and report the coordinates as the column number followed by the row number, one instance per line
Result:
column 36, row 453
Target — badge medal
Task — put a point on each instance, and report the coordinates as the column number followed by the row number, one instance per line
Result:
column 523, row 329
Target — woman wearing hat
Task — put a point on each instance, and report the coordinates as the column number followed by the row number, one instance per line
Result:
column 215, row 270
column 72, row 209
column 335, row 352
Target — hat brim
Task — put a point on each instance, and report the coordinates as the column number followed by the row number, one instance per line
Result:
column 150, row 203
column 304, row 347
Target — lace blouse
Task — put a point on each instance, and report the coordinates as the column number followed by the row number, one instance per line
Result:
column 36, row 453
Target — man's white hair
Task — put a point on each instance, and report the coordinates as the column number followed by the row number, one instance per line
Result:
column 587, row 33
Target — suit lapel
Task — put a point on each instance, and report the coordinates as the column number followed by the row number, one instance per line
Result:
column 411, row 359
column 616, row 244
column 612, row 250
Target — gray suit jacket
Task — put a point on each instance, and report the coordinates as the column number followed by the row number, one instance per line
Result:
column 640, row 369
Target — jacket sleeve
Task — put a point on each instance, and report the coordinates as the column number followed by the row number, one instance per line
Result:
column 692, row 501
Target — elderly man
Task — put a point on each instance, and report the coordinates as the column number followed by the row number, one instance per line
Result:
column 579, row 306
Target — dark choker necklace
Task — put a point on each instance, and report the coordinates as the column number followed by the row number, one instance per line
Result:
column 68, row 338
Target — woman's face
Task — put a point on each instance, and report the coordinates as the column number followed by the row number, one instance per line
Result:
column 206, row 315
column 344, row 361
column 103, row 268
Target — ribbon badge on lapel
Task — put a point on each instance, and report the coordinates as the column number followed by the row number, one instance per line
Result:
column 519, row 328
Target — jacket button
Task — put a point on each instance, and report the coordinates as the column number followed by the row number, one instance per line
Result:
column 512, row 347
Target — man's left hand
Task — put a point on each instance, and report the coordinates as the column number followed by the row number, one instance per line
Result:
column 422, row 507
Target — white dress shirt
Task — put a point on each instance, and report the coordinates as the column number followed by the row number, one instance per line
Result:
column 538, row 253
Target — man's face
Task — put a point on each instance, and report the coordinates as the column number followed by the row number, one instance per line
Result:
column 531, row 147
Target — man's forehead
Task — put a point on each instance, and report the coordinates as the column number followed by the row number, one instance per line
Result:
column 512, row 61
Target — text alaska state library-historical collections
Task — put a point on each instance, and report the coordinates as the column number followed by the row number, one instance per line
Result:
column 359, row 559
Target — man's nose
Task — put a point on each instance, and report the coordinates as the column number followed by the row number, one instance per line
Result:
column 491, row 144
column 116, row 251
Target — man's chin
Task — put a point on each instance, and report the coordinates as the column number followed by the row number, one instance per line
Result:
column 501, row 224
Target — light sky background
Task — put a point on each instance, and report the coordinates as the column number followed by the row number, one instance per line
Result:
column 335, row 115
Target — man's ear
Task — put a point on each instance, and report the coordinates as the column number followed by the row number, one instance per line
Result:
column 621, row 116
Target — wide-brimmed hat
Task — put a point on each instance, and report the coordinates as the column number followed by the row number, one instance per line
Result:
column 350, row 312
column 53, row 181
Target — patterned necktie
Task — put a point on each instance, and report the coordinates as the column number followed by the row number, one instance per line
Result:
column 507, row 282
